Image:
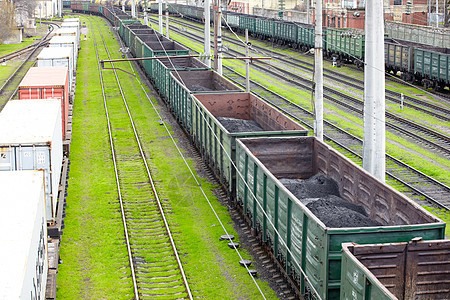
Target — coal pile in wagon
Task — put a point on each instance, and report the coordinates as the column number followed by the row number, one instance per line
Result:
column 199, row 88
column 321, row 196
column 239, row 125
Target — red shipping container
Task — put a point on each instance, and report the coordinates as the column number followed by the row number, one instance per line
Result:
column 48, row 83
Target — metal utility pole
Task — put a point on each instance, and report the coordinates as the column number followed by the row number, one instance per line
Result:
column 133, row 8
column 308, row 12
column 437, row 17
column 218, row 37
column 160, row 14
column 167, row 20
column 374, row 92
column 60, row 8
column 207, row 33
column 123, row 6
column 247, row 63
column 318, row 73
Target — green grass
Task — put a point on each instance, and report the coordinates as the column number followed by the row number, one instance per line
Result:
column 92, row 248
column 5, row 49
column 7, row 69
column 443, row 215
column 354, row 124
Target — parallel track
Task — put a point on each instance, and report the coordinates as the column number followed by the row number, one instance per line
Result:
column 415, row 103
column 419, row 185
column 155, row 265
column 9, row 87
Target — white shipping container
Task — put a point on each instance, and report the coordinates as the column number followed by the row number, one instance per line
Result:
column 75, row 25
column 31, row 139
column 24, row 267
column 57, row 57
column 68, row 32
column 73, row 20
column 66, row 41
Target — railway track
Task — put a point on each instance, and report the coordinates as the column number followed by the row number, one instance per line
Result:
column 430, row 139
column 419, row 186
column 9, row 87
column 438, row 111
column 155, row 266
column 22, row 51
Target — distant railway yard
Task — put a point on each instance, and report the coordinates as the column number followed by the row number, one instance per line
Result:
column 177, row 184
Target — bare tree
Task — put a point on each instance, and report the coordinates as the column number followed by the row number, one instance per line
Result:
column 6, row 19
column 24, row 9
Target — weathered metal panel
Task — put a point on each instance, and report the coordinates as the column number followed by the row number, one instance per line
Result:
column 302, row 157
column 163, row 67
column 31, row 139
column 23, row 274
column 414, row 270
column 239, row 106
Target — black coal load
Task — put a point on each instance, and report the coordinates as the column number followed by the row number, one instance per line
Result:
column 321, row 196
column 239, row 125
column 199, row 88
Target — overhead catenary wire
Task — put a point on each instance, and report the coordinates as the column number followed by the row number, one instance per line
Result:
column 190, row 170
column 254, row 196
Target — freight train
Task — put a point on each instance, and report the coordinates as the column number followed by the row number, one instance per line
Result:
column 35, row 136
column 263, row 159
column 429, row 65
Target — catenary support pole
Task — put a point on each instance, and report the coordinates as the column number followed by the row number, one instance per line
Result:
column 167, row 20
column 219, row 38
column 133, row 8
column 247, row 63
column 215, row 35
column 374, row 92
column 437, row 17
column 318, row 73
column 207, row 33
column 160, row 17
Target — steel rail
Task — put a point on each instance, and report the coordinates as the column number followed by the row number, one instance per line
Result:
column 151, row 181
column 172, row 242
column 398, row 162
column 37, row 46
column 333, row 75
column 122, row 210
column 359, row 102
column 390, row 174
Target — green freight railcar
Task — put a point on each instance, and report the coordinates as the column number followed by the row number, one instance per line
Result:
column 161, row 47
column 399, row 57
column 141, row 32
column 396, row 271
column 348, row 44
column 285, row 32
column 217, row 144
column 232, row 19
column 140, row 45
column 185, row 83
column 306, row 38
column 309, row 250
column 123, row 21
column 247, row 22
column 264, row 28
column 432, row 67
column 162, row 68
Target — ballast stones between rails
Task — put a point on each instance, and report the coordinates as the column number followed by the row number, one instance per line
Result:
column 244, row 262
